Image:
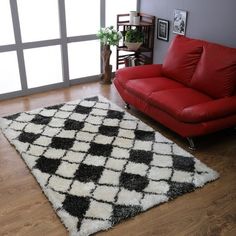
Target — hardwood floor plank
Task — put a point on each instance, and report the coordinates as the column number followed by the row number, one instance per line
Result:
column 211, row 210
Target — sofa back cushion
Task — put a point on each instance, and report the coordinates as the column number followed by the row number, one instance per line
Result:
column 215, row 74
column 182, row 58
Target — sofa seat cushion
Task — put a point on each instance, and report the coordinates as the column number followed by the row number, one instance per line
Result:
column 174, row 101
column 144, row 87
column 215, row 74
column 182, row 58
column 212, row 110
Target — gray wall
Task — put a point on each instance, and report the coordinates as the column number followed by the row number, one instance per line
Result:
column 211, row 20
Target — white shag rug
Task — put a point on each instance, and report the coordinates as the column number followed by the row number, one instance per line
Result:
column 99, row 165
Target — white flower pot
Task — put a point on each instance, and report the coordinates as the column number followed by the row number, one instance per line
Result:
column 133, row 46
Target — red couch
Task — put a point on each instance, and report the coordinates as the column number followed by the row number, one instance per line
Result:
column 193, row 92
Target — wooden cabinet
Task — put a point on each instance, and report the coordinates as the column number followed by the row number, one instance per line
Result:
column 144, row 55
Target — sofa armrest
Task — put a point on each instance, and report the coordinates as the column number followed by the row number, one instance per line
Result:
column 210, row 110
column 136, row 72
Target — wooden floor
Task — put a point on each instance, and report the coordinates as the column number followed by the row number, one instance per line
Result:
column 24, row 210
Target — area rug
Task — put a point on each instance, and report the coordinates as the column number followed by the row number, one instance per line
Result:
column 99, row 165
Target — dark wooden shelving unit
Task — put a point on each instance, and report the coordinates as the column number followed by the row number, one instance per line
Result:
column 144, row 55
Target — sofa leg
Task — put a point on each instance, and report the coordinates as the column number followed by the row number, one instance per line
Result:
column 127, row 106
column 192, row 145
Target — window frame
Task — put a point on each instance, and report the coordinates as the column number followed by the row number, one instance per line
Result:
column 62, row 41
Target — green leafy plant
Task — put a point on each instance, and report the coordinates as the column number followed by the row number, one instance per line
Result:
column 109, row 36
column 134, row 36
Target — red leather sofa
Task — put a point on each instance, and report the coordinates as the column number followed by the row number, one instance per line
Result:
column 193, row 92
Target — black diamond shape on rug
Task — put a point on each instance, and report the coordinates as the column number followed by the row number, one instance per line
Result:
column 140, row 156
column 76, row 206
column 26, row 137
column 109, row 130
column 47, row 165
column 133, row 182
column 144, row 135
column 12, row 117
column 112, row 114
column 73, row 125
column 62, row 143
column 83, row 110
column 183, row 163
column 121, row 212
column 41, row 120
column 55, row 107
column 98, row 149
column 177, row 189
column 95, row 99
column 88, row 173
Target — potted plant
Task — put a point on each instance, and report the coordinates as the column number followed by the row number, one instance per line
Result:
column 108, row 37
column 133, row 39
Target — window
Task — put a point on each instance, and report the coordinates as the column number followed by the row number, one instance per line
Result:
column 43, row 66
column 118, row 7
column 39, row 19
column 82, row 17
column 9, row 73
column 84, row 59
column 52, row 42
column 6, row 26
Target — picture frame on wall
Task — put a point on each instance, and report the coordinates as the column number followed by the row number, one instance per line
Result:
column 163, row 29
column 180, row 22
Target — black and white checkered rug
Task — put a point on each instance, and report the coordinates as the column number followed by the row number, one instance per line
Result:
column 99, row 165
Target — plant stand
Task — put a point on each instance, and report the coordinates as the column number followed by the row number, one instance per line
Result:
column 144, row 54
column 107, row 68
